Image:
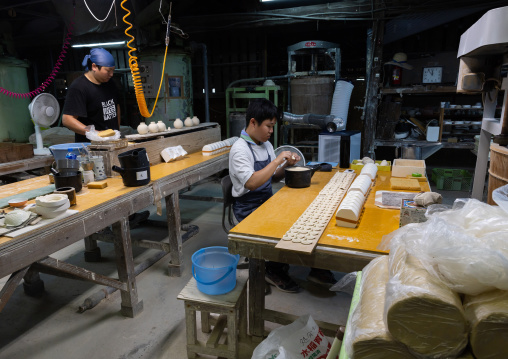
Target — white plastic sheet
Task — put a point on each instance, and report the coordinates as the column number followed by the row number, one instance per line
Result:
column 93, row 135
column 466, row 247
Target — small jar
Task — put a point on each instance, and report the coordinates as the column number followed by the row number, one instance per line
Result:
column 161, row 126
column 178, row 123
column 188, row 122
column 142, row 128
column 88, row 176
column 153, row 128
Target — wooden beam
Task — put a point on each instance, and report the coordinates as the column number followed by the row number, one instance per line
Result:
column 10, row 286
column 374, row 77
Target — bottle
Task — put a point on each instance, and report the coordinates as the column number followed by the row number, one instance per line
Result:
column 396, row 78
column 161, row 126
column 188, row 122
column 178, row 123
column 70, row 155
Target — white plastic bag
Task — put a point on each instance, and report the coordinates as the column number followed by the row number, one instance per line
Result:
column 500, row 196
column 300, row 339
column 466, row 247
column 93, row 135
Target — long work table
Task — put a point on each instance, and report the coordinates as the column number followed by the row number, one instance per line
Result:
column 26, row 255
column 338, row 249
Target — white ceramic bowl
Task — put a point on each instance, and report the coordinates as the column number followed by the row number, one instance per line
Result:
column 52, row 212
column 52, row 200
column 17, row 202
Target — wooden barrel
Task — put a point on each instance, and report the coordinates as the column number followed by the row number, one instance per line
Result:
column 312, row 94
column 498, row 171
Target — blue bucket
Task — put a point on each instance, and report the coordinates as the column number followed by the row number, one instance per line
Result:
column 59, row 151
column 214, row 269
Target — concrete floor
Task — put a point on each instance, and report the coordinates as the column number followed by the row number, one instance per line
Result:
column 51, row 327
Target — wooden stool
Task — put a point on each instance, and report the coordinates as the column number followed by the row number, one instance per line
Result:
column 232, row 310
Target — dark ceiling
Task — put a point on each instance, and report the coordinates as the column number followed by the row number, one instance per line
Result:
column 41, row 22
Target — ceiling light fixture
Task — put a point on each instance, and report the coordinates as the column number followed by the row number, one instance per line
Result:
column 103, row 44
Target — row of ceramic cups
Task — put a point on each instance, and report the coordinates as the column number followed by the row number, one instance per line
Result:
column 160, row 126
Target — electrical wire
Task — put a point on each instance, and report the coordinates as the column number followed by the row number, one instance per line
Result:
column 133, row 64
column 95, row 17
column 53, row 73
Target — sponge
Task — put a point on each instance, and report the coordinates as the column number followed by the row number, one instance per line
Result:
column 405, row 183
column 107, row 133
column 98, row 185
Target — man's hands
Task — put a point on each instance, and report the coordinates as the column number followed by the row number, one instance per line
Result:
column 287, row 156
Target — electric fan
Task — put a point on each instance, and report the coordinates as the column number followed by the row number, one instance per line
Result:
column 44, row 110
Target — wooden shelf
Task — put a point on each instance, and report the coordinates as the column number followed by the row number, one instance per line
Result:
column 429, row 90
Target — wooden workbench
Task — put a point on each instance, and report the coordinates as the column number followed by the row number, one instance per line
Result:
column 97, row 210
column 339, row 249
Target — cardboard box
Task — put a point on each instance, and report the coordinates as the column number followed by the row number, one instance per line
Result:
column 357, row 166
column 402, row 167
column 410, row 212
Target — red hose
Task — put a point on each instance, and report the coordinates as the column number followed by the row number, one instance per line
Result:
column 51, row 76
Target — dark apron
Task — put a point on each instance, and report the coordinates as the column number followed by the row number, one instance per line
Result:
column 247, row 203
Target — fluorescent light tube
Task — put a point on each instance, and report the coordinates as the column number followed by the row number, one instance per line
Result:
column 101, row 44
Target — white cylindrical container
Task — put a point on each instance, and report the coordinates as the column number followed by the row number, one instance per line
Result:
column 153, row 128
column 88, row 176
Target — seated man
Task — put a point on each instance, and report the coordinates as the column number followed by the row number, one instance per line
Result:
column 253, row 167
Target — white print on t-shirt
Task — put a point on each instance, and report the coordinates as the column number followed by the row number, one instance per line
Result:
column 109, row 109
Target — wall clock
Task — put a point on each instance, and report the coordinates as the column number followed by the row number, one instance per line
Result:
column 432, row 75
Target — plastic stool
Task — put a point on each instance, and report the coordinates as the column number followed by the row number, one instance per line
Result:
column 232, row 310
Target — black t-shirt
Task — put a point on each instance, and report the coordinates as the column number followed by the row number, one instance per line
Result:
column 92, row 104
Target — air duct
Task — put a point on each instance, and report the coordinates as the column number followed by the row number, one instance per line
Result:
column 326, row 122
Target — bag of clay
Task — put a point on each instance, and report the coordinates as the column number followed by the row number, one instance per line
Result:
column 465, row 247
column 300, row 339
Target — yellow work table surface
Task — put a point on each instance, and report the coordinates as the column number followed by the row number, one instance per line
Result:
column 273, row 219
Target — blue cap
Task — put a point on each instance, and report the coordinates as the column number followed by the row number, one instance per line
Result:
column 99, row 56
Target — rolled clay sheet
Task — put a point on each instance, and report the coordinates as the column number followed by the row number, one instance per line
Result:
column 367, row 336
column 421, row 311
column 487, row 314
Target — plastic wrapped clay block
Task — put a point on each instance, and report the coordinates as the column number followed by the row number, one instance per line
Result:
column 362, row 184
column 370, row 170
column 421, row 311
column 487, row 314
column 366, row 332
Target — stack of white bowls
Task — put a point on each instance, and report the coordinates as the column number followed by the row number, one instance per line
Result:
column 51, row 205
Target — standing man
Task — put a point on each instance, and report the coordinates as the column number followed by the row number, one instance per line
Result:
column 253, row 167
column 92, row 98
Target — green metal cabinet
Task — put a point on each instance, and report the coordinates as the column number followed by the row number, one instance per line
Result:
column 237, row 100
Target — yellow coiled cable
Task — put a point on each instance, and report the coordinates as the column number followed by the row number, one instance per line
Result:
column 133, row 64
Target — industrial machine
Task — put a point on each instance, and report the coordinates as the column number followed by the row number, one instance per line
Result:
column 483, row 69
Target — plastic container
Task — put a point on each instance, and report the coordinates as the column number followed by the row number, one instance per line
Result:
column 60, row 151
column 452, row 179
column 214, row 269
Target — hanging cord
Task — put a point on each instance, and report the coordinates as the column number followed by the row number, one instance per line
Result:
column 53, row 73
column 95, row 17
column 133, row 64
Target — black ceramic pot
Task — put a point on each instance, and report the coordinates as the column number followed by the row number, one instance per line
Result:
column 68, row 179
column 299, row 176
column 134, row 177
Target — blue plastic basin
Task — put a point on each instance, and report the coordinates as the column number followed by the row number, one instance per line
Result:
column 59, row 151
column 214, row 269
